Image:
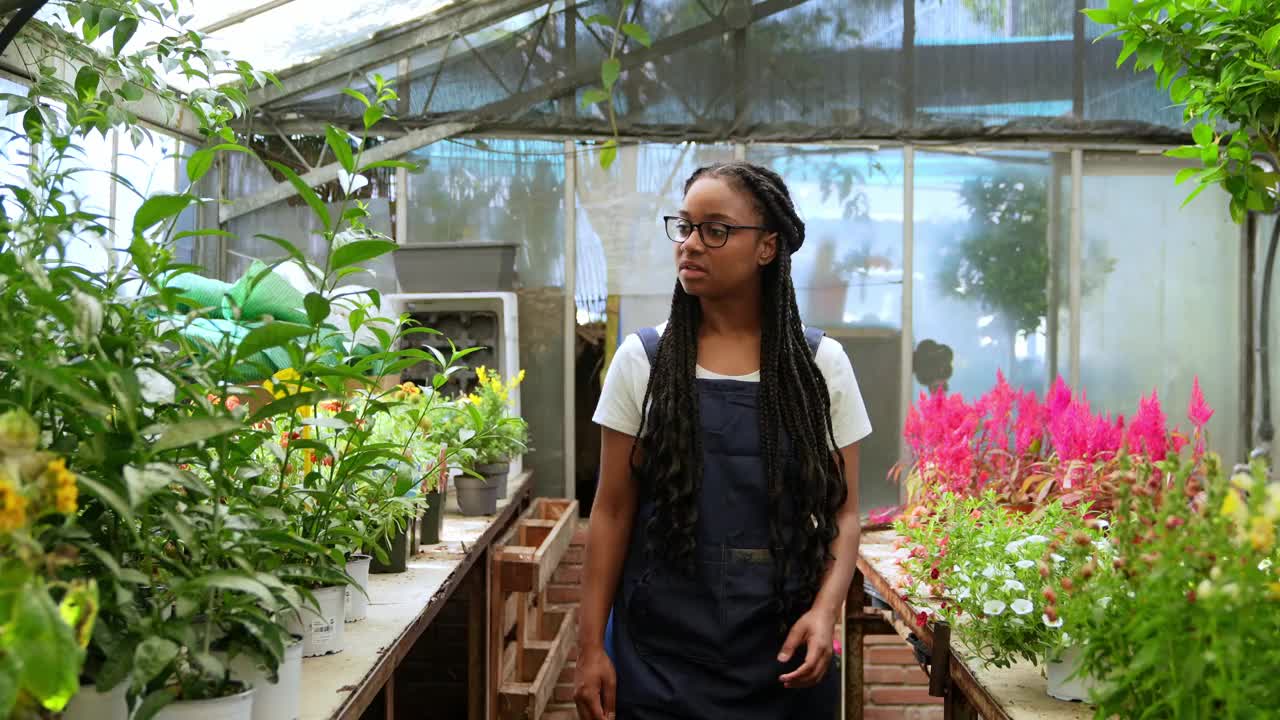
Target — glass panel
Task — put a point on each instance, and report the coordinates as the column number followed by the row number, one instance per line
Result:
column 15, row 151
column 147, row 168
column 1262, row 240
column 1164, row 303
column 91, row 183
column 848, row 279
column 990, row 62
column 510, row 191
column 981, row 266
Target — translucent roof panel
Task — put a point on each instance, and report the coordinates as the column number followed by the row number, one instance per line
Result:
column 302, row 31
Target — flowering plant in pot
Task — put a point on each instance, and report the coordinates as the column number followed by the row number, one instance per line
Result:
column 985, row 568
column 499, row 433
column 47, row 609
column 1025, row 450
column 1191, row 618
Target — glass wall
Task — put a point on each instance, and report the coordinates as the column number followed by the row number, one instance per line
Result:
column 982, row 243
column 1162, row 294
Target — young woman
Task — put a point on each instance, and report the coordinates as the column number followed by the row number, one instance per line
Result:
column 725, row 529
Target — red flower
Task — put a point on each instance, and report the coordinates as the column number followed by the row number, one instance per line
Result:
column 1174, row 522
column 922, row 618
column 328, row 461
column 233, row 402
column 1198, row 411
column 934, row 573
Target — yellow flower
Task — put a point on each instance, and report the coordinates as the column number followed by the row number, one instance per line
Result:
column 13, row 506
column 1232, row 507
column 287, row 379
column 483, row 375
column 410, row 389
column 1271, row 509
column 1262, row 534
column 63, row 481
column 519, row 377
column 475, row 399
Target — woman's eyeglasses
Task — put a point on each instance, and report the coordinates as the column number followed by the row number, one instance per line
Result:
column 714, row 234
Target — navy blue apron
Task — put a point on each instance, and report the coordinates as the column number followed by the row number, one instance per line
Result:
column 705, row 647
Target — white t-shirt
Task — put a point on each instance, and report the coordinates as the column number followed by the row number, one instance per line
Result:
column 624, row 385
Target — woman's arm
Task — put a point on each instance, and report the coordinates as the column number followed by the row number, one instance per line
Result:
column 608, row 536
column 815, row 630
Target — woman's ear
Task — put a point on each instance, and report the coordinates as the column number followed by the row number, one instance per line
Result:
column 767, row 249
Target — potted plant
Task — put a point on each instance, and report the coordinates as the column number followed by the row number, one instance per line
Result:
column 499, row 434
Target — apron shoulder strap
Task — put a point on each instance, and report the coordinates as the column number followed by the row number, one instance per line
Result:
column 813, row 337
column 649, row 338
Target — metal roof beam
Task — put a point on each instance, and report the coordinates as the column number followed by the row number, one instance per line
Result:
column 463, row 123
column 243, row 15
column 387, row 151
column 392, row 44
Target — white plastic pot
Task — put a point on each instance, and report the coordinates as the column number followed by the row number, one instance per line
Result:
column 279, row 700
column 322, row 631
column 233, row 707
column 357, row 600
column 1062, row 685
column 89, row 704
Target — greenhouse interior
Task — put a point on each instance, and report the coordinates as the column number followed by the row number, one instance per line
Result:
column 449, row 359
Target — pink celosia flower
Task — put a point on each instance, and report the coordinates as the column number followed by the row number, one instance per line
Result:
column 1198, row 411
column 1148, row 434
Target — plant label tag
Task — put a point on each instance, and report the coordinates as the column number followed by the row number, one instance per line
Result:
column 322, row 630
column 348, row 600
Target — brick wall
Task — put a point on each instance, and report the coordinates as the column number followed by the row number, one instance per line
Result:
column 897, row 689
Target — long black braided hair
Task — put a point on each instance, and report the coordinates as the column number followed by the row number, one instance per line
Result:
column 796, row 434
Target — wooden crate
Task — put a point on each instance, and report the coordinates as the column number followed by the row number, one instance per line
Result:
column 531, row 638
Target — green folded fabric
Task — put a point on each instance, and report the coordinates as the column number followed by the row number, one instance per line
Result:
column 261, row 292
column 204, row 292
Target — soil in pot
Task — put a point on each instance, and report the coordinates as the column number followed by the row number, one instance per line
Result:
column 432, row 520
column 496, row 473
column 322, row 631
column 89, row 704
column 476, row 496
column 398, row 554
column 232, row 707
column 281, row 700
column 357, row 598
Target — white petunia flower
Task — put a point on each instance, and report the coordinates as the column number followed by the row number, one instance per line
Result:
column 1015, row 586
column 1104, row 601
column 963, row 577
column 990, row 572
column 962, row 594
column 1035, row 539
column 993, row 607
column 1013, row 547
column 1102, row 545
column 955, row 568
column 1057, row 558
column 1025, row 564
column 1265, row 564
column 1022, row 606
column 1051, row 623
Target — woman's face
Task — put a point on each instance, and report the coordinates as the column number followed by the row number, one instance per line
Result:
column 713, row 272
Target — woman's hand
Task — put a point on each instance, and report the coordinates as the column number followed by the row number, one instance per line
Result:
column 595, row 683
column 815, row 630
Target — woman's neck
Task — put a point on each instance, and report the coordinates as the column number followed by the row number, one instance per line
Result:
column 731, row 316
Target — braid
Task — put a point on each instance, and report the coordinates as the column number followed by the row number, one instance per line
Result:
column 796, row 434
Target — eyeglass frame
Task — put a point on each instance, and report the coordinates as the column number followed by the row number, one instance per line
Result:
column 697, row 227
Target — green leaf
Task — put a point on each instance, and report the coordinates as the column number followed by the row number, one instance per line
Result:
column 142, row 483
column 130, row 92
column 1185, row 174
column 108, row 496
column 337, row 141
column 412, row 167
column 1102, row 17
column 1186, row 152
column 87, row 83
column 637, row 33
column 594, row 95
column 157, row 208
column 288, row 404
column 1149, row 52
column 601, row 19
column 290, row 248
column 151, row 658
column 50, row 656
column 1270, row 39
column 153, row 704
column 353, row 93
column 608, row 153
column 273, row 334
column 308, row 195
column 1203, row 135
column 372, row 115
column 195, row 430
column 1120, row 7
column 358, row 252
column 123, row 33
column 202, row 160
column 1180, row 89
column 317, row 308
column 9, row 672
column 610, row 69
column 233, row 582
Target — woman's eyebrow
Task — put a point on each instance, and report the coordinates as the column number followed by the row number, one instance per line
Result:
column 712, row 216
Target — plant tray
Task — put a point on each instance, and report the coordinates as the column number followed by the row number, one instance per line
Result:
column 529, row 684
column 538, row 544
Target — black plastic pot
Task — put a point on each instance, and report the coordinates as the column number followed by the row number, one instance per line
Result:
column 397, row 548
column 496, row 474
column 476, row 496
column 432, row 519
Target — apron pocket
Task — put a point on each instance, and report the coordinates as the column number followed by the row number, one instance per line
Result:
column 672, row 614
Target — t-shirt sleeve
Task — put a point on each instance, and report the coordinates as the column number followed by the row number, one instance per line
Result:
column 849, row 419
column 623, row 391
